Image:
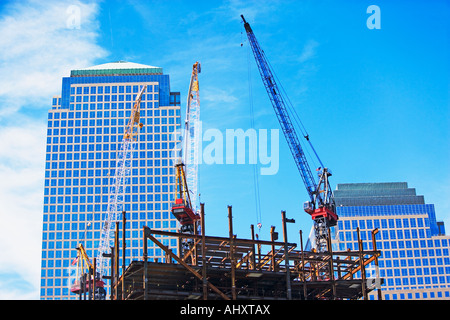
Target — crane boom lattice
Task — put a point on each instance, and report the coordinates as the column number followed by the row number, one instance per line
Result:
column 192, row 136
column 185, row 206
column 120, row 181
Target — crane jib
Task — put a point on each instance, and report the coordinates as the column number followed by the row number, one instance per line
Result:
column 322, row 207
column 281, row 113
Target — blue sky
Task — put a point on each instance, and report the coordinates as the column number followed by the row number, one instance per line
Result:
column 375, row 102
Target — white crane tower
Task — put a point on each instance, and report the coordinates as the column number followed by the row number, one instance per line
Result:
column 186, row 205
column 192, row 137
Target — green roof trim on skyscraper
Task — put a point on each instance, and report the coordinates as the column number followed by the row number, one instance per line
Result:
column 117, row 68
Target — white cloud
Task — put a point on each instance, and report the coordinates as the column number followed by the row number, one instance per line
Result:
column 219, row 97
column 309, row 51
column 21, row 192
column 41, row 42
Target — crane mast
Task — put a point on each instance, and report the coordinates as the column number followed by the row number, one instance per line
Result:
column 321, row 205
column 120, row 180
column 192, row 136
column 185, row 207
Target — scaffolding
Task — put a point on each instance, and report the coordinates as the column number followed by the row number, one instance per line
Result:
column 232, row 268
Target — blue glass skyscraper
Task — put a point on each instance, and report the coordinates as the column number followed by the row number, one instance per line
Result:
column 415, row 261
column 85, row 129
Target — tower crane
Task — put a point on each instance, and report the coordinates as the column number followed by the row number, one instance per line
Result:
column 321, row 204
column 120, row 180
column 185, row 207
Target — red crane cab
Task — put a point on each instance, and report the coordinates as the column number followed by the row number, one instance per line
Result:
column 183, row 213
column 76, row 287
column 322, row 212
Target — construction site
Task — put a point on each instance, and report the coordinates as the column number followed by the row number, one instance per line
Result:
column 208, row 267
column 230, row 268
column 242, row 269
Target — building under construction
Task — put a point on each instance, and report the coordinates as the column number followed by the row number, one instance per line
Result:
column 232, row 268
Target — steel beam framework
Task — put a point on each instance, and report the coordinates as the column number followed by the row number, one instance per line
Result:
column 232, row 268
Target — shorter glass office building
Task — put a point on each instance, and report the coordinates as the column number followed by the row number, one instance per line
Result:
column 415, row 261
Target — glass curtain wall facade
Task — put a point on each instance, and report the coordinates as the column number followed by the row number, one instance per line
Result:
column 85, row 129
column 415, row 261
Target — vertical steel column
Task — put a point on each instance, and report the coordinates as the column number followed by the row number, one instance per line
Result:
column 194, row 255
column 204, row 280
column 94, row 272
column 305, row 292
column 331, row 265
column 112, row 272
column 116, row 264
column 124, row 246
column 89, row 284
column 377, row 270
column 233, row 271
column 259, row 251
column 272, row 238
column 179, row 246
column 286, row 256
column 253, row 248
column 145, row 258
column 361, row 265
column 338, row 268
